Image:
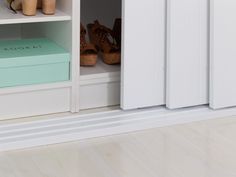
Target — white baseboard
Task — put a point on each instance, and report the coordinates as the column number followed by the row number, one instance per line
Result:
column 76, row 127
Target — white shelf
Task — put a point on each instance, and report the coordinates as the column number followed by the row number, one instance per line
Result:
column 100, row 72
column 8, row 17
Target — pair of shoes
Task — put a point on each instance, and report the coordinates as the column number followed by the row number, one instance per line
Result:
column 29, row 7
column 105, row 41
column 102, row 39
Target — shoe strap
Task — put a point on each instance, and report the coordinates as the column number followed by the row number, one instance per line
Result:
column 103, row 33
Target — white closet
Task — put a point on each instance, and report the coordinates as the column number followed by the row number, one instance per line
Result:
column 178, row 65
column 166, row 49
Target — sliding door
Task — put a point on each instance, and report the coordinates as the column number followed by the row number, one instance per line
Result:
column 223, row 54
column 143, row 59
column 187, row 53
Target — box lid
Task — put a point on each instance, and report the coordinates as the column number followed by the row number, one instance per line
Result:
column 31, row 52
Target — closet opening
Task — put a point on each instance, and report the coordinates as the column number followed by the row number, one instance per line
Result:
column 100, row 53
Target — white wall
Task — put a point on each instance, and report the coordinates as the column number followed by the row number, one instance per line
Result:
column 10, row 32
column 103, row 10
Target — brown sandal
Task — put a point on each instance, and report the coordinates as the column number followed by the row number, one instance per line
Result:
column 117, row 31
column 103, row 38
column 88, row 52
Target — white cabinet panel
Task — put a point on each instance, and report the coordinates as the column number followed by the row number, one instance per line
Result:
column 104, row 94
column 223, row 54
column 143, row 61
column 187, row 53
column 32, row 103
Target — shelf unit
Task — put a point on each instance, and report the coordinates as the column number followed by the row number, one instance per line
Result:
column 32, row 100
column 88, row 87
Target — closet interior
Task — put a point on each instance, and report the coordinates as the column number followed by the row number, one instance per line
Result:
column 100, row 83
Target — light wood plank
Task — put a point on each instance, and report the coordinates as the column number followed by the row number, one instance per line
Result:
column 201, row 149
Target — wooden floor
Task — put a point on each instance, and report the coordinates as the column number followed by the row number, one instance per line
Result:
column 202, row 149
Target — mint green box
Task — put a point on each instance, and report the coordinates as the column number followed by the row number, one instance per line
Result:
column 32, row 61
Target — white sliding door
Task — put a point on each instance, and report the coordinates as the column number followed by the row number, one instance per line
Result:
column 187, row 53
column 143, row 61
column 223, row 54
